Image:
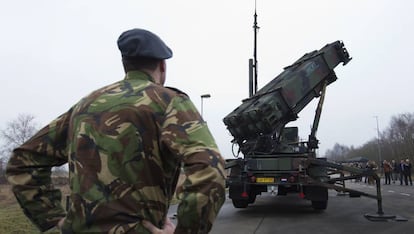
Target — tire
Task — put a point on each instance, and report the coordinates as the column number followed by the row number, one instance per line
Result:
column 252, row 198
column 320, row 205
column 281, row 191
column 240, row 203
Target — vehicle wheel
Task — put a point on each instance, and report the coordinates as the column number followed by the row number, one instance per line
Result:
column 320, row 205
column 240, row 203
column 252, row 198
column 281, row 191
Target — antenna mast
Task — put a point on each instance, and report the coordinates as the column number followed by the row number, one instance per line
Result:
column 253, row 62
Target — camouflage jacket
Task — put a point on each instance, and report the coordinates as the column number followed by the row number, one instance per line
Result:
column 125, row 144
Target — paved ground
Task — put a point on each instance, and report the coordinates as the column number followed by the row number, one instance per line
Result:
column 290, row 214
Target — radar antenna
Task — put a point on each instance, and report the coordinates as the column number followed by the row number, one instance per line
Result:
column 253, row 67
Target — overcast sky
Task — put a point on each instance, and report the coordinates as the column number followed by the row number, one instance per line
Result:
column 54, row 52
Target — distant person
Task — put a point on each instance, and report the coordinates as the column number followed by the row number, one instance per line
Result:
column 407, row 172
column 395, row 172
column 366, row 167
column 360, row 166
column 357, row 165
column 401, row 168
column 125, row 144
column 387, row 171
column 373, row 166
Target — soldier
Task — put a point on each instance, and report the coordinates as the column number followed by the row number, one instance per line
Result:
column 407, row 172
column 395, row 170
column 401, row 170
column 373, row 166
column 387, row 171
column 125, row 144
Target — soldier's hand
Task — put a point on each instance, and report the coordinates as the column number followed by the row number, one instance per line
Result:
column 169, row 227
column 60, row 223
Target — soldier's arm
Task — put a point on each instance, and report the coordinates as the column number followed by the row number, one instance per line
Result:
column 29, row 172
column 202, row 194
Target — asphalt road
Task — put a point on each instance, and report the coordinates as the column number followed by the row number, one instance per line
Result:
column 292, row 215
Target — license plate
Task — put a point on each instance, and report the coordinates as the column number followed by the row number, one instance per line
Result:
column 265, row 180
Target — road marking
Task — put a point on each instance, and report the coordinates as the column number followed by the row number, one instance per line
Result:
column 405, row 194
column 390, row 191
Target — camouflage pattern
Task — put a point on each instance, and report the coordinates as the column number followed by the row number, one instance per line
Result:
column 125, row 144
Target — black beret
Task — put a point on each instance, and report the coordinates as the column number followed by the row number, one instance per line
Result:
column 142, row 43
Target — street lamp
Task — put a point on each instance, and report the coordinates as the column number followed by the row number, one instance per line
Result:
column 379, row 145
column 202, row 97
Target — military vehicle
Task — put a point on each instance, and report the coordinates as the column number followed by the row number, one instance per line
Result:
column 272, row 154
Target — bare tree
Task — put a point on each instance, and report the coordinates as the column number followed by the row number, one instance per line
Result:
column 397, row 142
column 16, row 133
column 338, row 152
column 400, row 135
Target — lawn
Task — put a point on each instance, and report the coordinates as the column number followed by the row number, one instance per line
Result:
column 12, row 219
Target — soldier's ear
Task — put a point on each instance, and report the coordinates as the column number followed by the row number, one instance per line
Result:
column 163, row 66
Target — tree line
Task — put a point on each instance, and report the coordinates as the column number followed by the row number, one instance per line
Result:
column 395, row 142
